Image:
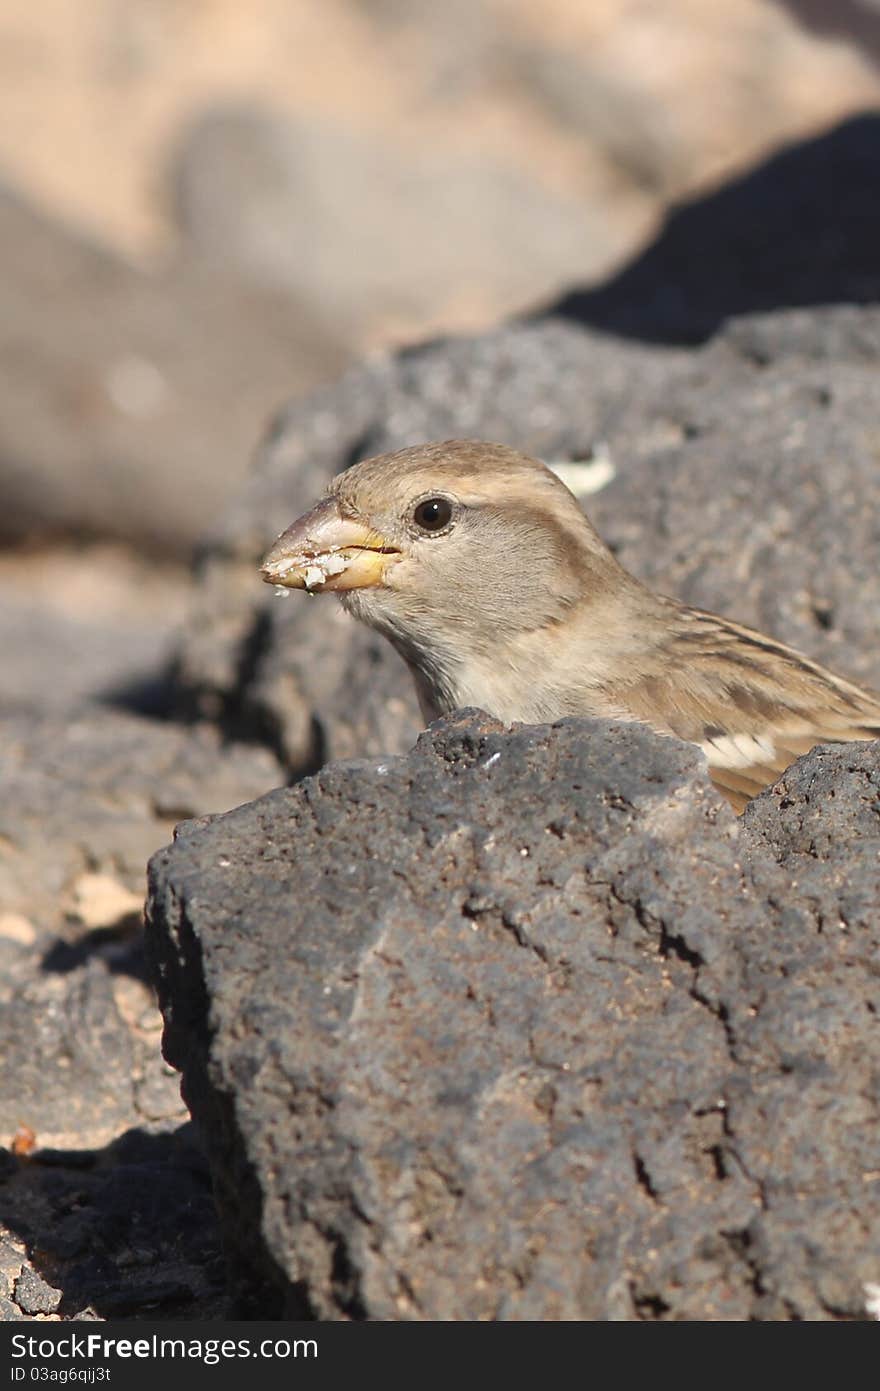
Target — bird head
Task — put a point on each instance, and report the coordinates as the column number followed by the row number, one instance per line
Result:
column 460, row 535
column 472, row 559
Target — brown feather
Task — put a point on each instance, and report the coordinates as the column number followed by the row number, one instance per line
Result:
column 738, row 799
column 726, row 688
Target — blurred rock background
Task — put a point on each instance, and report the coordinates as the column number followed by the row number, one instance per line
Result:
column 207, row 211
column 209, row 208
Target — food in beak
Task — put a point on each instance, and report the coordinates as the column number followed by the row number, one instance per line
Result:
column 311, row 570
column 324, row 550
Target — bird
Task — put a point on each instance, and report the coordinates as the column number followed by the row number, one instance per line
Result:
column 481, row 568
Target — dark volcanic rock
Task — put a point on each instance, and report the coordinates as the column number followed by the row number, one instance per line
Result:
column 508, row 1028
column 821, row 823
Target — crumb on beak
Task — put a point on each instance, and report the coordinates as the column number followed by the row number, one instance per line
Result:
column 325, row 551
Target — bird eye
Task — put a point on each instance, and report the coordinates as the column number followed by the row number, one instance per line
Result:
column 433, row 514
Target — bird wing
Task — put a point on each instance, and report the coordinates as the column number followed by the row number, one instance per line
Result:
column 752, row 704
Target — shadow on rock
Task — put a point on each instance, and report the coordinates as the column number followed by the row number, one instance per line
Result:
column 855, row 20
column 150, row 693
column 125, row 1231
column 799, row 230
column 120, row 947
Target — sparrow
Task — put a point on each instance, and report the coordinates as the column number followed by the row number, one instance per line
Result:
column 480, row 567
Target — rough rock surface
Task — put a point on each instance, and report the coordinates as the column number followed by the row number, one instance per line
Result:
column 510, row 1027
column 821, row 824
column 105, row 1199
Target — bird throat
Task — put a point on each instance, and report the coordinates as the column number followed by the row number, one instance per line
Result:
column 524, row 676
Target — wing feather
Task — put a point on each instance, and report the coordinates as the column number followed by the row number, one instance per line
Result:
column 752, row 704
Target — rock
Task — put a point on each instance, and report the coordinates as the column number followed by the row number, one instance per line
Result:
column 467, row 48
column 768, row 509
column 742, row 481
column 610, row 109
column 504, row 1029
column 87, row 622
column 69, row 1058
column 34, row 1296
column 820, row 823
column 382, row 239
column 632, row 86
column 12, row 1258
column 128, row 1230
column 130, row 404
column 87, row 799
column 702, row 91
column 119, row 1225
column 707, row 264
column 97, row 792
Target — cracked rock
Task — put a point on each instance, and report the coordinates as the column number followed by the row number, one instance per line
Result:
column 521, row 1025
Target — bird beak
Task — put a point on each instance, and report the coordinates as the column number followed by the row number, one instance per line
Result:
column 324, row 550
